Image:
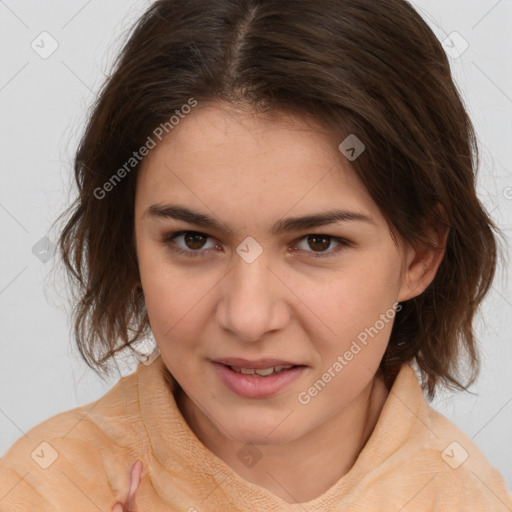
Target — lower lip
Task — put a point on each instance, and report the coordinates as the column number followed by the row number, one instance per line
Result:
column 253, row 386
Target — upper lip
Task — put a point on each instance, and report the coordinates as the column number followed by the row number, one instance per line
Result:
column 256, row 364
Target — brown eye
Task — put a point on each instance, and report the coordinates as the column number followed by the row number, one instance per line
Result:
column 319, row 242
column 194, row 240
column 189, row 243
column 319, row 246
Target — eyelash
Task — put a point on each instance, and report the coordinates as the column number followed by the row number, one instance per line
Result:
column 169, row 241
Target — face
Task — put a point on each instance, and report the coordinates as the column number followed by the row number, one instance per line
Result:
column 256, row 289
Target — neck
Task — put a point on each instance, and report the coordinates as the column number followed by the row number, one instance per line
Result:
column 286, row 470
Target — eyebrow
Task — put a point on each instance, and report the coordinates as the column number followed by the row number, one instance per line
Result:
column 182, row 213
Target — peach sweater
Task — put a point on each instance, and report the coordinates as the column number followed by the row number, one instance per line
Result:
column 79, row 461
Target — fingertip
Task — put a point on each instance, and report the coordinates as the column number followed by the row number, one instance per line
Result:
column 118, row 507
column 137, row 469
column 135, row 477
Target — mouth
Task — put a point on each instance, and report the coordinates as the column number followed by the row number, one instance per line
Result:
column 257, row 379
column 261, row 372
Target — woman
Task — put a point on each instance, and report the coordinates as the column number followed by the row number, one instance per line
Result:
column 283, row 195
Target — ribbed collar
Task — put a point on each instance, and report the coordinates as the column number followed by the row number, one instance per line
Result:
column 180, row 452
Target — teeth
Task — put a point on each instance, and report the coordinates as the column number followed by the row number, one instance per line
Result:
column 262, row 372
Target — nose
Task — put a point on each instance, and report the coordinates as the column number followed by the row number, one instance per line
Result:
column 253, row 301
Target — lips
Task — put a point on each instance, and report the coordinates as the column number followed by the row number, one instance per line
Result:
column 262, row 372
column 257, row 378
column 255, row 364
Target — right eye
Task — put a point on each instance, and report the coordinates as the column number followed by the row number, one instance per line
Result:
column 192, row 243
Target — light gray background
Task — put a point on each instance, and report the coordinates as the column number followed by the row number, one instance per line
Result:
column 43, row 103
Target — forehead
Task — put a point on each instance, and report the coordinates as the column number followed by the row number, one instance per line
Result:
column 221, row 156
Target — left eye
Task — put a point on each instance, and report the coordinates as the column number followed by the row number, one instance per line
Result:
column 194, row 241
column 320, row 244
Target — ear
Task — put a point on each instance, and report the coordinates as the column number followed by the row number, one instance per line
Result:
column 420, row 263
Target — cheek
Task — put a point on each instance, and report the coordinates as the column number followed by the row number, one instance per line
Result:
column 172, row 309
column 178, row 300
column 352, row 300
column 356, row 312
column 167, row 297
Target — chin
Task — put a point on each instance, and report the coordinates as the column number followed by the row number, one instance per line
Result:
column 262, row 432
column 261, row 438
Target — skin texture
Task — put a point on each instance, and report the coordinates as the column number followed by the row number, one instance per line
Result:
column 249, row 171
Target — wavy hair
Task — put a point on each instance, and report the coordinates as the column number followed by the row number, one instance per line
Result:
column 371, row 68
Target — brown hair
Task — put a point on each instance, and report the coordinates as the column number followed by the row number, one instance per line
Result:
column 374, row 69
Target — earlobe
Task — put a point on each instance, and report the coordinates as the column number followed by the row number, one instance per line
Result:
column 423, row 260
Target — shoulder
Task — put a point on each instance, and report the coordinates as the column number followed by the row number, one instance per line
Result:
column 435, row 457
column 79, row 451
column 463, row 473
